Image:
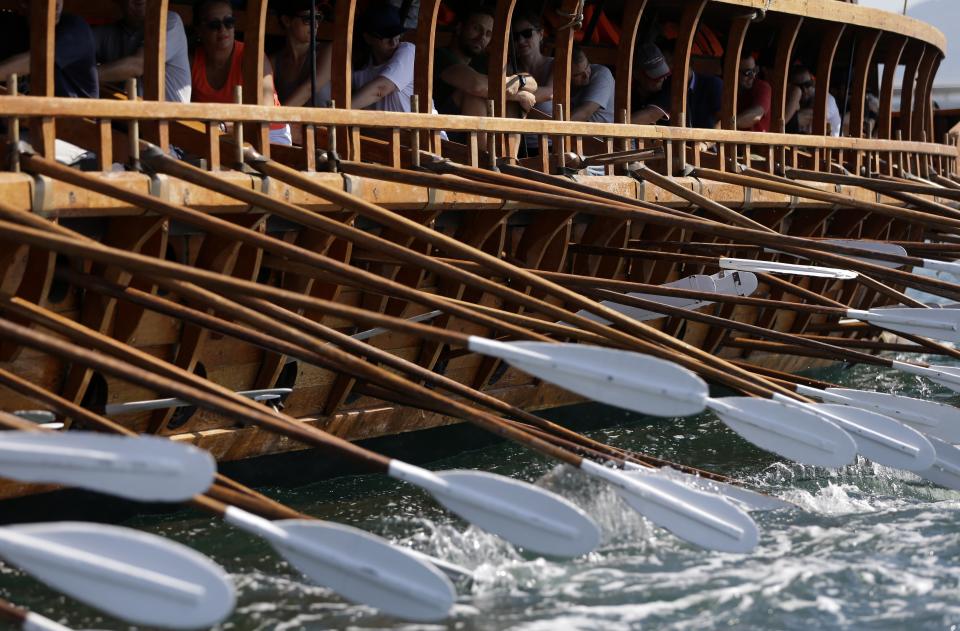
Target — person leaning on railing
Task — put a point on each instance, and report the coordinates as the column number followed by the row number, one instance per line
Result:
column 218, row 62
column 800, row 104
column 591, row 97
column 385, row 81
column 754, row 99
column 120, row 51
column 291, row 64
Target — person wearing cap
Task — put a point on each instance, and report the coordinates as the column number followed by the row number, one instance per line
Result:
column 801, row 101
column 651, row 91
column 754, row 98
column 385, row 82
column 592, row 88
column 291, row 64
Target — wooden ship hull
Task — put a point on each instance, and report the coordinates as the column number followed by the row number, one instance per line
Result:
column 518, row 226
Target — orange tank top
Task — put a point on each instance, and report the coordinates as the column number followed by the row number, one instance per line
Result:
column 203, row 92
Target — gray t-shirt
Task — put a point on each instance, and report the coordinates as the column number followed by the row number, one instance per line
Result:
column 600, row 91
column 115, row 41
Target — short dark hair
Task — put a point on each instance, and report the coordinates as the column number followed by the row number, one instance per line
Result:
column 201, row 7
column 471, row 10
column 527, row 16
column 293, row 8
column 798, row 69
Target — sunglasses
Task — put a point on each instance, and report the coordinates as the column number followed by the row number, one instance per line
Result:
column 526, row 33
column 226, row 23
column 805, row 85
column 306, row 18
column 750, row 73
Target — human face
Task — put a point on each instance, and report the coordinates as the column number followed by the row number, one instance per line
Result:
column 748, row 73
column 298, row 26
column 217, row 27
column 580, row 73
column 808, row 88
column 474, row 33
column 526, row 37
column 382, row 48
column 134, row 11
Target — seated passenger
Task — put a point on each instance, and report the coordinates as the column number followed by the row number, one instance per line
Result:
column 800, row 104
column 704, row 92
column 75, row 62
column 460, row 79
column 120, row 51
column 527, row 31
column 650, row 95
column 385, row 81
column 755, row 98
column 291, row 65
column 592, row 93
column 218, row 62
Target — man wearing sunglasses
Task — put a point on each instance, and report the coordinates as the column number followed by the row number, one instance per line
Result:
column 120, row 51
column 460, row 79
column 385, row 82
column 800, row 104
column 754, row 98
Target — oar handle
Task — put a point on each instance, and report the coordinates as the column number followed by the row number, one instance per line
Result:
column 11, row 612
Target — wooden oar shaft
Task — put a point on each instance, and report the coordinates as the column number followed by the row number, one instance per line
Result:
column 9, row 611
column 784, row 376
column 884, row 186
column 183, row 385
column 629, row 332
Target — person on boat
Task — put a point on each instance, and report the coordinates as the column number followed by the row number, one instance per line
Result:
column 591, row 97
column 704, row 92
column 217, row 66
column 75, row 60
column 385, row 81
column 291, row 64
column 120, row 51
column 460, row 79
column 650, row 90
column 527, row 34
column 754, row 99
column 800, row 104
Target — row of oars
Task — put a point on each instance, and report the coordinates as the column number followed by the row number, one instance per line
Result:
column 269, row 317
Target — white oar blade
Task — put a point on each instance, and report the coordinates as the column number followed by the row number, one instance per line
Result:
column 938, row 324
column 135, row 576
column 703, row 519
column 789, row 431
column 945, row 470
column 881, row 438
column 736, row 283
column 36, row 622
column 881, row 247
column 927, row 417
column 946, row 376
column 369, row 569
column 144, row 468
column 697, row 282
column 745, row 498
column 522, row 513
column 751, row 265
column 620, row 378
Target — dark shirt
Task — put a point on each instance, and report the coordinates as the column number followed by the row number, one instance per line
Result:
column 442, row 91
column 75, row 59
column 704, row 100
column 75, row 63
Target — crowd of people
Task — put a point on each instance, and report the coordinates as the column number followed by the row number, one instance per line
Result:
column 91, row 58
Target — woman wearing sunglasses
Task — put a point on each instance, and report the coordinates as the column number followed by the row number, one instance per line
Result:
column 217, row 66
column 527, row 32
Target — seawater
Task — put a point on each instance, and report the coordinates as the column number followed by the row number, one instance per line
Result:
column 870, row 548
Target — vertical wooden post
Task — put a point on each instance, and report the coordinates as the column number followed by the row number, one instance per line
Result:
column 895, row 45
column 562, row 59
column 833, row 32
column 681, row 61
column 779, row 82
column 43, row 29
column 14, row 126
column 731, row 81
column 341, row 77
column 254, row 33
column 862, row 64
column 154, row 68
column 497, row 53
column 426, row 40
column 928, row 122
column 921, row 95
column 913, row 58
column 626, row 50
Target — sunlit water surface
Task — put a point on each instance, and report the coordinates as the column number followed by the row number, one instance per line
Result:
column 871, row 547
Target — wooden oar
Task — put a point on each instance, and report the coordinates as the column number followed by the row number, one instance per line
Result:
column 26, row 620
column 833, row 254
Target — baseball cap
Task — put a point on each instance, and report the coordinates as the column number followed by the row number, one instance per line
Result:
column 382, row 21
column 652, row 62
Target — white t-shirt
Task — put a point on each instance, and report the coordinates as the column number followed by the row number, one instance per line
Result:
column 399, row 71
column 833, row 116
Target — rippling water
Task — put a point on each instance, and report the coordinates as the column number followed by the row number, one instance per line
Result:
column 872, row 547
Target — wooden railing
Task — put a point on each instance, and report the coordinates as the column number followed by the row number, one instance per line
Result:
column 879, row 38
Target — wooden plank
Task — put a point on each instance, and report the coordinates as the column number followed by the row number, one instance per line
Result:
column 913, row 58
column 341, row 78
column 681, row 61
column 497, row 54
column 623, row 72
column 895, row 46
column 257, row 134
column 830, row 41
column 42, row 39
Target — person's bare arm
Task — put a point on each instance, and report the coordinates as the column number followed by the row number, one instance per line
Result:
column 19, row 64
column 373, row 92
column 122, row 69
column 585, row 111
column 649, row 115
column 464, row 78
column 748, row 117
column 301, row 95
column 793, row 103
column 268, row 89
